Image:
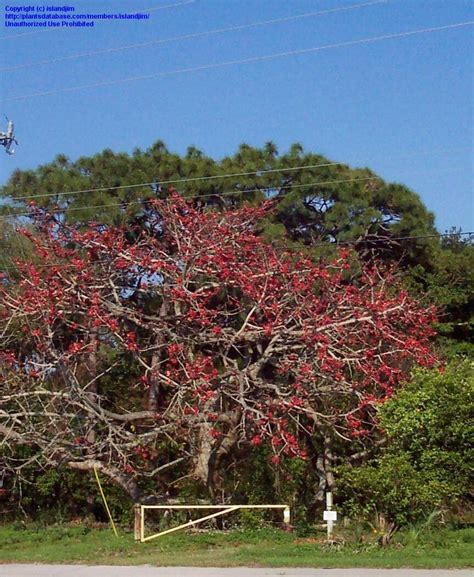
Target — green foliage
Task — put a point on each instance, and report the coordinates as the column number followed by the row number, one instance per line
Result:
column 327, row 202
column 393, row 486
column 433, row 414
column 12, row 246
column 448, row 282
column 251, row 519
column 429, row 458
column 61, row 494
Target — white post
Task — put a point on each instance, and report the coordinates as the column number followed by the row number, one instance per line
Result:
column 329, row 508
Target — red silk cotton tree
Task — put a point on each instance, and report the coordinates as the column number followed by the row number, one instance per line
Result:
column 170, row 344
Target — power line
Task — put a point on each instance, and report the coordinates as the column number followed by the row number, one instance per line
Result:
column 124, row 205
column 175, row 5
column 156, row 182
column 242, row 61
column 199, row 196
column 182, row 180
column 13, row 36
column 191, row 36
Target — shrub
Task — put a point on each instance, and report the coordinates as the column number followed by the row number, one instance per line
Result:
column 429, row 456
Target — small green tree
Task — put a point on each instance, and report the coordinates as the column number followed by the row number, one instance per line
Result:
column 429, row 456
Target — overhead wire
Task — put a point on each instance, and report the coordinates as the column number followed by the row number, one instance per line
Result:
column 260, row 189
column 178, row 181
column 182, row 180
column 146, row 10
column 15, row 36
column 217, row 194
column 164, row 7
column 204, row 195
column 191, row 36
column 262, row 58
column 248, row 60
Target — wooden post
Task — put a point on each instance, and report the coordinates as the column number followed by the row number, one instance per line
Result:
column 138, row 522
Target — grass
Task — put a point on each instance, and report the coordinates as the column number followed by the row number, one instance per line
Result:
column 438, row 548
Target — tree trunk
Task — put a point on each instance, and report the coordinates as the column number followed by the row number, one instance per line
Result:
column 228, row 442
column 153, row 403
column 204, row 452
column 92, row 388
column 328, row 461
column 114, row 474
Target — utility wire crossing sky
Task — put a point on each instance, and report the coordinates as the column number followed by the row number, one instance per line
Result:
column 395, row 75
column 115, row 49
column 235, row 62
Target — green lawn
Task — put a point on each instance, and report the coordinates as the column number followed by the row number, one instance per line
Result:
column 438, row 548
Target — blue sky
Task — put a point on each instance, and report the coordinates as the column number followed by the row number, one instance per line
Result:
column 403, row 107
